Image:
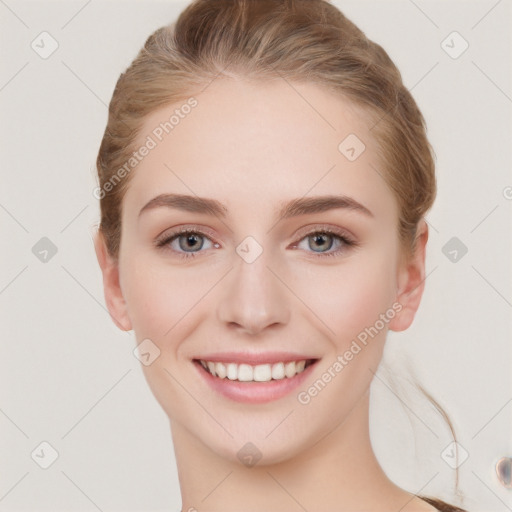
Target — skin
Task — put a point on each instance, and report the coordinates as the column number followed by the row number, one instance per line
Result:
column 254, row 147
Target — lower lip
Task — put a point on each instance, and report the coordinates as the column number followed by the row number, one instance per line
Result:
column 254, row 392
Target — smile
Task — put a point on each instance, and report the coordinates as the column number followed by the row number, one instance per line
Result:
column 254, row 383
column 258, row 373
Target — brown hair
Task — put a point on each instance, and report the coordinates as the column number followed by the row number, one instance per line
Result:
column 298, row 40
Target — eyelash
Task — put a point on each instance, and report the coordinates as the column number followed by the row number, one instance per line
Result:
column 163, row 242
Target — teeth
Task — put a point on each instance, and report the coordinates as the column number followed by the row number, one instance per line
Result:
column 220, row 370
column 262, row 373
column 245, row 373
column 232, row 371
column 278, row 371
column 211, row 367
column 259, row 373
column 289, row 369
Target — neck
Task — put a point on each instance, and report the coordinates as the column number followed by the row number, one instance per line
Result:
column 338, row 472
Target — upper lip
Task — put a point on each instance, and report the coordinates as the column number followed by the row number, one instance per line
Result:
column 254, row 359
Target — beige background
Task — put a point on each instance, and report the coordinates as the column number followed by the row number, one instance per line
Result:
column 69, row 377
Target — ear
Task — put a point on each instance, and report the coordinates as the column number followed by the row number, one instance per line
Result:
column 411, row 282
column 114, row 299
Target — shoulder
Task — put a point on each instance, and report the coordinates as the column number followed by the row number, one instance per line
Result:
column 440, row 505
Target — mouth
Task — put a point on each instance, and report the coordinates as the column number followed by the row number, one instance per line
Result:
column 255, row 383
column 255, row 373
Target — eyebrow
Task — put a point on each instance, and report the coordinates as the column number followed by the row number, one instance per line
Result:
column 294, row 208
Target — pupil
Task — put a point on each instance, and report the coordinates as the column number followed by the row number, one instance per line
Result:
column 321, row 240
column 191, row 243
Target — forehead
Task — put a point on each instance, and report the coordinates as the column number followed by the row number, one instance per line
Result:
column 259, row 142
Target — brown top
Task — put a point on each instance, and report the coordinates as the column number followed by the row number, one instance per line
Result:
column 441, row 505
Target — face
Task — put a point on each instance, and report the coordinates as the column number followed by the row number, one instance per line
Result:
column 291, row 253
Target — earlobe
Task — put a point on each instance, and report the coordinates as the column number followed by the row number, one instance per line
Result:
column 411, row 282
column 114, row 299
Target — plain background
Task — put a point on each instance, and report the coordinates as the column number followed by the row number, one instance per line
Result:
column 69, row 377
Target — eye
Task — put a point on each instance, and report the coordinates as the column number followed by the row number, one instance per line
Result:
column 322, row 241
column 185, row 242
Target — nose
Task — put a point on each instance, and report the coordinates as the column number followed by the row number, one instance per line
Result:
column 253, row 298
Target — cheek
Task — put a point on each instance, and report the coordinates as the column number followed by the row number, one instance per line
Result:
column 162, row 299
column 350, row 297
column 152, row 299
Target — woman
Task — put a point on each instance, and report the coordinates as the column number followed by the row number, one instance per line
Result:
column 264, row 177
